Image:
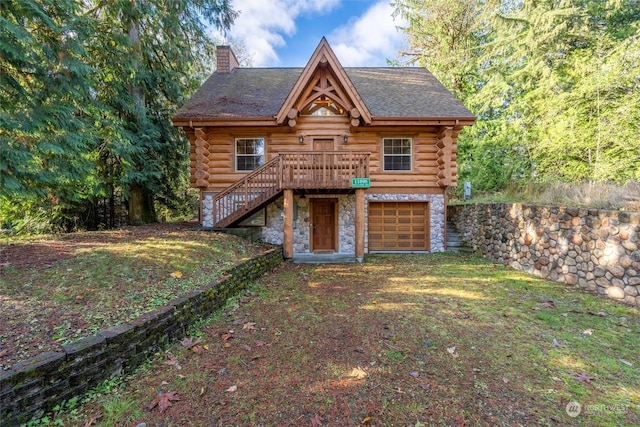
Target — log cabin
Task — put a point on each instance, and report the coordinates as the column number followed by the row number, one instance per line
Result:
column 325, row 158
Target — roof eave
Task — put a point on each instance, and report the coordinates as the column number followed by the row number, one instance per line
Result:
column 224, row 121
column 424, row 121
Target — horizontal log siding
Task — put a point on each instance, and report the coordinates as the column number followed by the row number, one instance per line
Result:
column 219, row 160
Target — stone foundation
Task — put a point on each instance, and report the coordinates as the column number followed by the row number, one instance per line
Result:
column 272, row 233
column 207, row 211
column 596, row 250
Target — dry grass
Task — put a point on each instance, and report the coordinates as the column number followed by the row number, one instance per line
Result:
column 594, row 195
column 55, row 289
column 588, row 194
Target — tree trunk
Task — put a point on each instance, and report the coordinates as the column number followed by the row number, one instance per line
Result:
column 141, row 207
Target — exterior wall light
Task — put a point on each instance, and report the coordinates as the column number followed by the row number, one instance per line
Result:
column 301, row 139
column 345, row 138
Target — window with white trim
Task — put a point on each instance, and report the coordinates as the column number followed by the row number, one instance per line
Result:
column 396, row 154
column 249, row 153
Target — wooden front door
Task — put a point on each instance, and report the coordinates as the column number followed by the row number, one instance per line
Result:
column 323, row 144
column 323, row 225
column 322, row 170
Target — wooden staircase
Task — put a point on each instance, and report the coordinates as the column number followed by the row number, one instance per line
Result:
column 247, row 195
column 304, row 170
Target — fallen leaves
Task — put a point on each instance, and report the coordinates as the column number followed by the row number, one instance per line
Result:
column 193, row 345
column 249, row 326
column 316, row 420
column 176, row 274
column 358, row 373
column 582, row 377
column 93, row 420
column 452, row 352
column 173, row 361
column 163, row 401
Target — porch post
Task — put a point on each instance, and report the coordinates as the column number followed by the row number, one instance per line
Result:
column 287, row 246
column 359, row 224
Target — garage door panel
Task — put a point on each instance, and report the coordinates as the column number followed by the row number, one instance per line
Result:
column 398, row 226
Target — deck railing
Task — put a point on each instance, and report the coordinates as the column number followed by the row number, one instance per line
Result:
column 324, row 169
column 304, row 170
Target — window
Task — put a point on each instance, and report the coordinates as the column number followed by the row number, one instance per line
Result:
column 323, row 106
column 249, row 153
column 396, row 154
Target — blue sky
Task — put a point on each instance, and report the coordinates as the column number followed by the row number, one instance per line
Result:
column 284, row 33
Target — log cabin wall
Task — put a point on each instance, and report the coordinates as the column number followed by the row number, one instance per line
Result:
column 212, row 155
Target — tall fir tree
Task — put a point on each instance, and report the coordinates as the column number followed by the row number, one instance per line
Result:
column 553, row 82
column 88, row 89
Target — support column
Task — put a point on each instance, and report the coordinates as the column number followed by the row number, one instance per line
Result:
column 287, row 246
column 359, row 224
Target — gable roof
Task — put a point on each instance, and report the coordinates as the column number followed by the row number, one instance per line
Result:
column 269, row 93
column 323, row 57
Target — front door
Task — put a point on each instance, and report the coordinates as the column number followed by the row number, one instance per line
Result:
column 323, row 225
column 323, row 144
column 323, row 172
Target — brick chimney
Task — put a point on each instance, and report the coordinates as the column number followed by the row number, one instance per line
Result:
column 225, row 59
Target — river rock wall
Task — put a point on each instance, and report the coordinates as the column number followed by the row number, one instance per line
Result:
column 594, row 249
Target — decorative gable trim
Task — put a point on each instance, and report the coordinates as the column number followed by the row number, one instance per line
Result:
column 325, row 69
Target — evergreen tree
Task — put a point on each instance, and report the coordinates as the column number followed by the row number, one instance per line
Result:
column 554, row 84
column 88, row 89
column 46, row 132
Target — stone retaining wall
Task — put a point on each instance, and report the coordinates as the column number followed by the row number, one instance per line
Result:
column 35, row 386
column 596, row 250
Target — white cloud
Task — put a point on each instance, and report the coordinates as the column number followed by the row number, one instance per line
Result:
column 369, row 39
column 263, row 24
column 263, row 27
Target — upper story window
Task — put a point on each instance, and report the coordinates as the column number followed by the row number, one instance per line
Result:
column 323, row 106
column 249, row 153
column 396, row 154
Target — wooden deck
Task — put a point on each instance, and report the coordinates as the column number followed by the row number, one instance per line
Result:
column 323, row 170
column 311, row 170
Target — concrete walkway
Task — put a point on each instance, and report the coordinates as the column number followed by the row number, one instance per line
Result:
column 334, row 258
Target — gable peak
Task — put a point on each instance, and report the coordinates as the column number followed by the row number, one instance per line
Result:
column 324, row 79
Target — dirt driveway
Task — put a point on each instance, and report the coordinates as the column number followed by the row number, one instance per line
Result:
column 396, row 341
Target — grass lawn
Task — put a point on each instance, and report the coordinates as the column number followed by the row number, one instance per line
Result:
column 406, row 340
column 56, row 289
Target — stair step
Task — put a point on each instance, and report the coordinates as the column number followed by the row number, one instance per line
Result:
column 455, row 242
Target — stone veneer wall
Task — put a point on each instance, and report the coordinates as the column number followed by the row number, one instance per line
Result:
column 207, row 211
column 35, row 386
column 272, row 233
column 596, row 250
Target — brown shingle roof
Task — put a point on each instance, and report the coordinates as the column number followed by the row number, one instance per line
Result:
column 260, row 92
